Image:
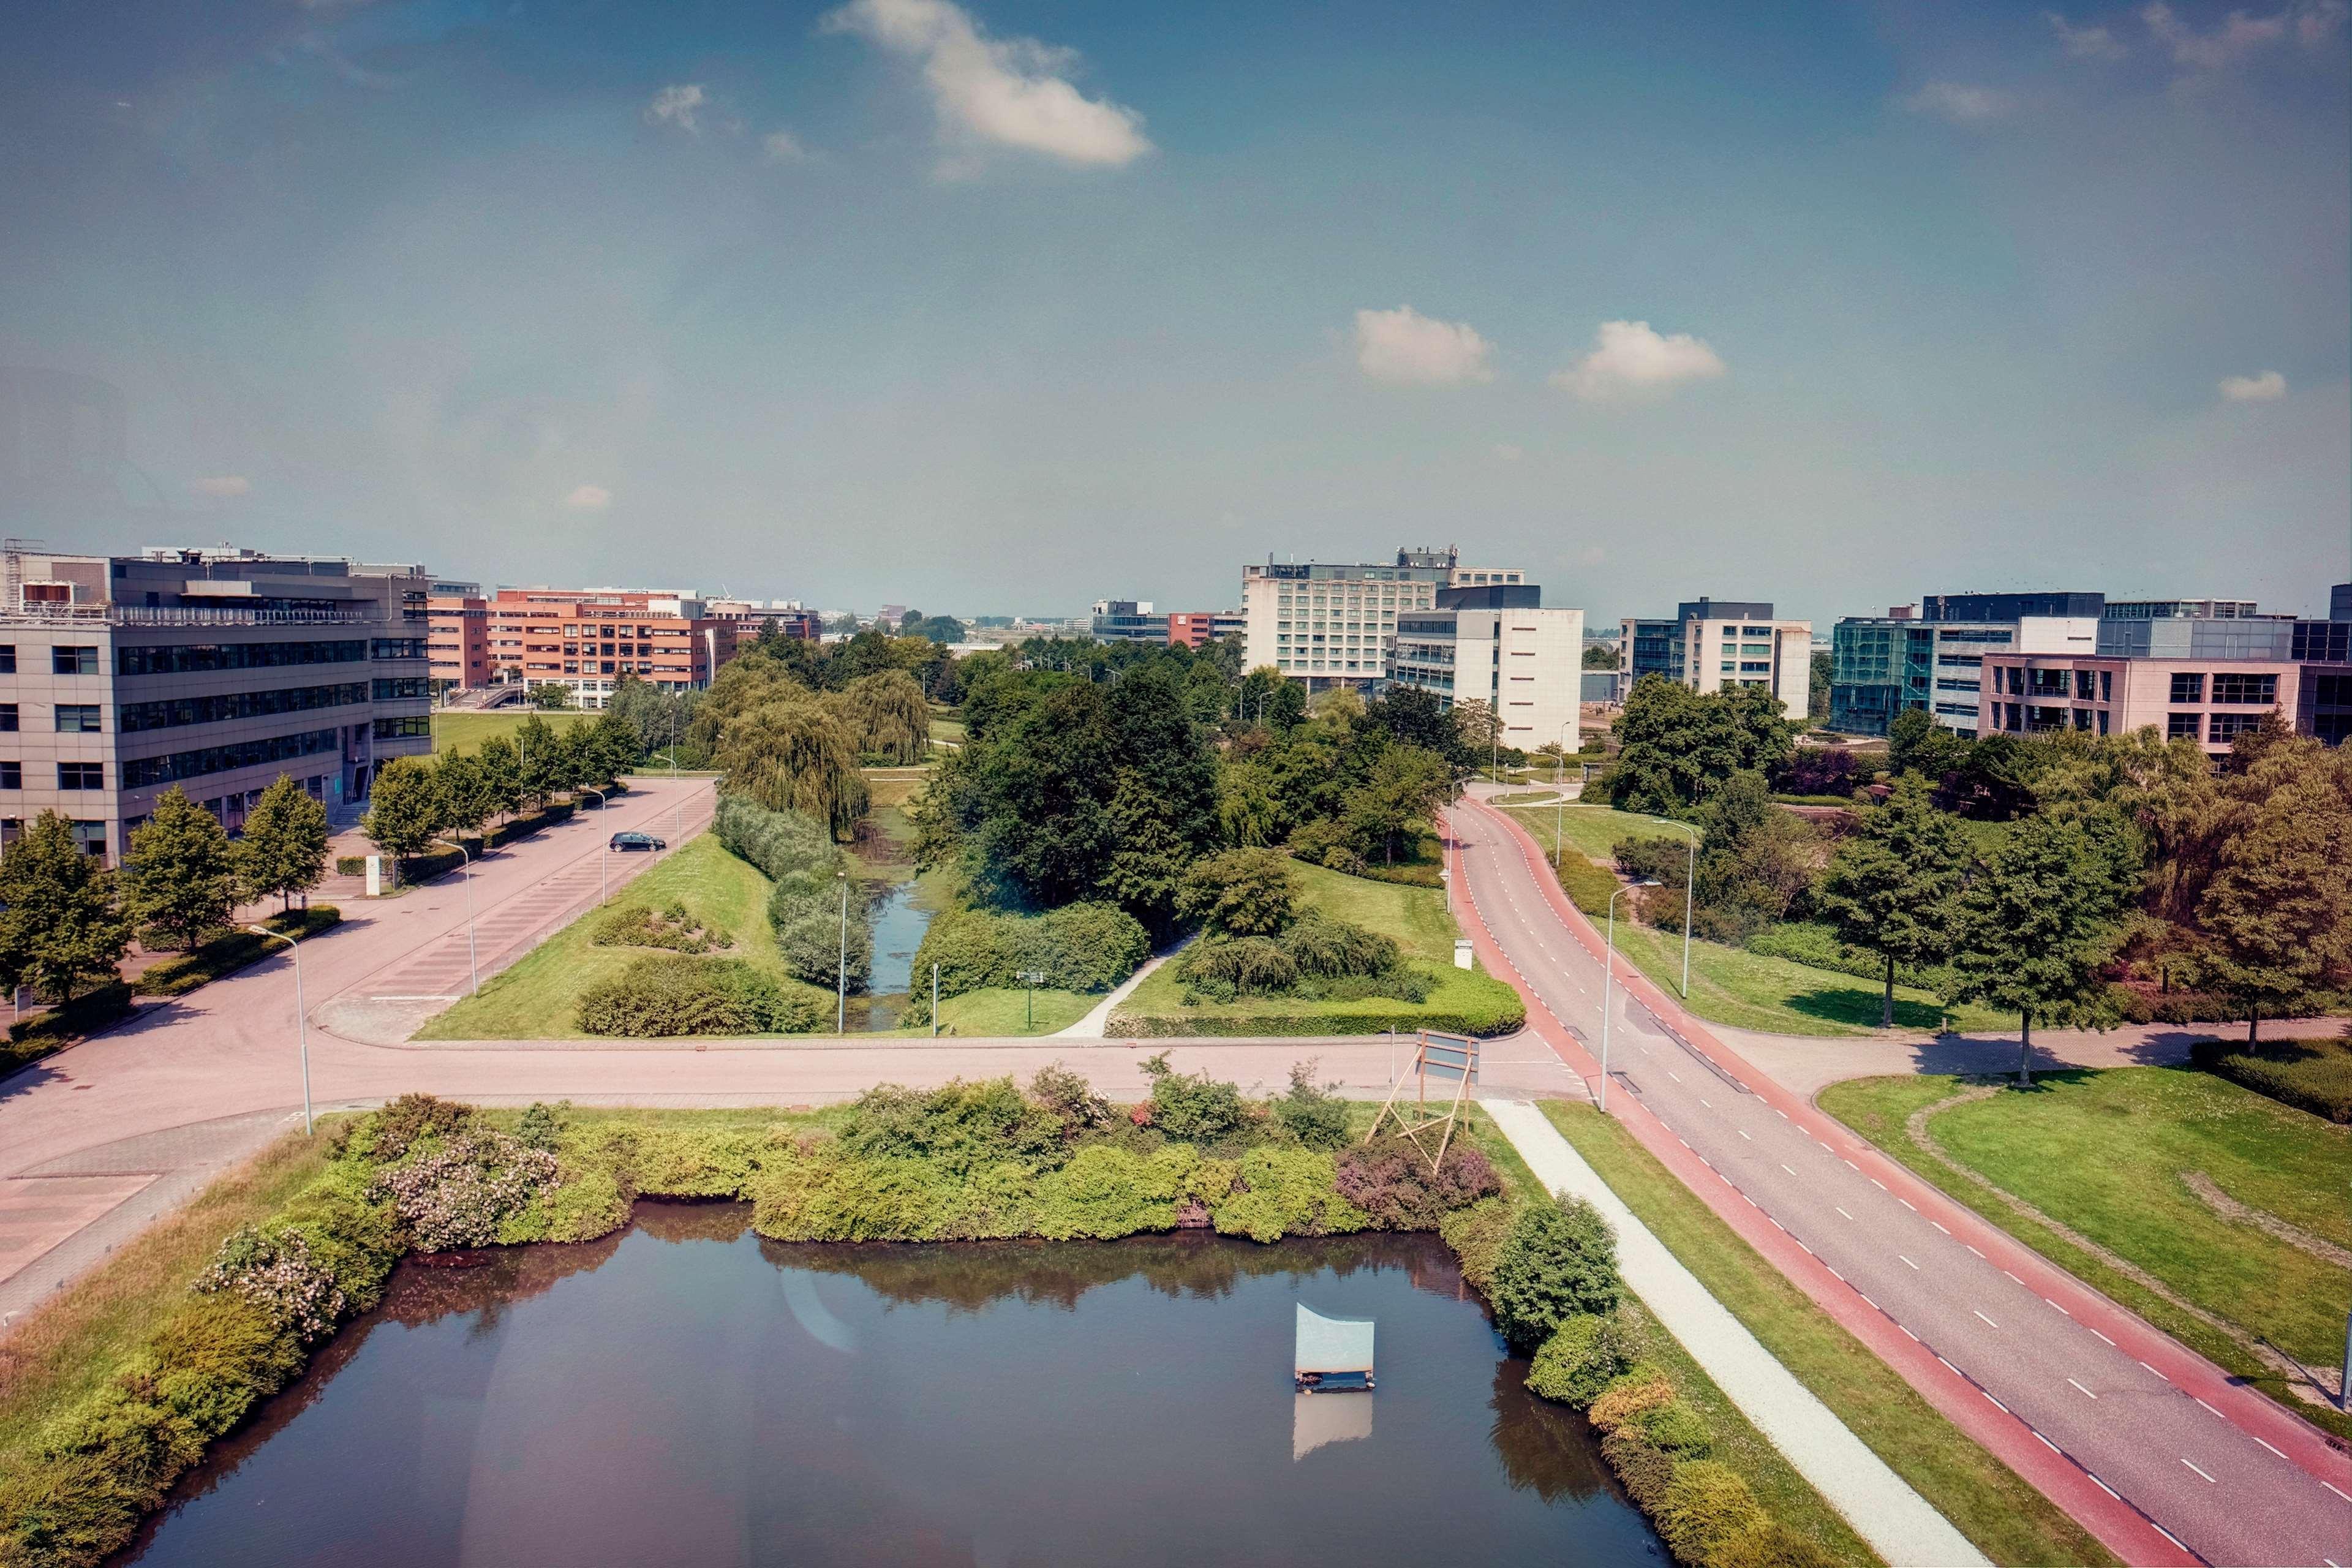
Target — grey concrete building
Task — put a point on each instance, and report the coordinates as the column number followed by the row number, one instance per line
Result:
column 215, row 669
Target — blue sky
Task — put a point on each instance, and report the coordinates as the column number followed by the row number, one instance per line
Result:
column 1009, row 306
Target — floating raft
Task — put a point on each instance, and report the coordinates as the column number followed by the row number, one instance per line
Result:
column 1334, row 1354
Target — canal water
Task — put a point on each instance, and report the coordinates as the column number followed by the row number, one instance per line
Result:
column 898, row 916
column 686, row 1393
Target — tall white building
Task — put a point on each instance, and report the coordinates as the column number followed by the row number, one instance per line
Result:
column 1330, row 624
column 1498, row 646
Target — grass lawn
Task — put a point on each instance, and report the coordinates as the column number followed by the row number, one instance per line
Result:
column 1591, row 830
column 1985, row 1500
column 892, row 788
column 2106, row 1152
column 467, row 730
column 535, row 999
column 947, row 727
column 1005, row 1010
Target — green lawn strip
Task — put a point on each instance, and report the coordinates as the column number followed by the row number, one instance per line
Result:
column 467, row 730
column 77, row 1338
column 536, row 998
column 2106, row 1158
column 1005, row 1010
column 1592, row 830
column 1985, row 1500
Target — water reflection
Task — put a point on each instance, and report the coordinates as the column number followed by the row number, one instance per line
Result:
column 688, row 1392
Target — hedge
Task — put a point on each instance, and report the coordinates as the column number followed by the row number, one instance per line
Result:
column 1500, row 1020
column 35, row 1037
column 227, row 954
column 797, row 854
column 1818, row 946
column 423, row 1174
column 1083, row 947
column 1588, row 886
column 2313, row 1075
column 664, row 995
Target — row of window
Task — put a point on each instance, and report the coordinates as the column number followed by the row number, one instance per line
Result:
column 72, row 718
column 196, row 658
column 71, row 775
column 172, row 712
column 2253, row 689
column 141, row 772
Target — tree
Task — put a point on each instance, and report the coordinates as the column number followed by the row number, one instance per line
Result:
column 2035, row 922
column 179, row 874
column 1680, row 746
column 467, row 799
column 1148, row 866
column 538, row 761
column 60, row 922
column 1406, row 786
column 1916, row 744
column 501, row 767
column 404, row 808
column 1480, row 726
column 2278, row 912
column 1823, row 676
column 795, row 756
column 1239, row 892
column 617, row 744
column 284, row 850
column 1600, row 656
column 550, row 694
column 887, row 715
column 1892, row 885
column 1559, row 1262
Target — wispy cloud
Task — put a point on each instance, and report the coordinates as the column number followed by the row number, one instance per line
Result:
column 1000, row 92
column 782, row 147
column 1404, row 348
column 1957, row 102
column 1509, row 452
column 221, row 487
column 2310, row 23
column 2084, row 43
column 589, row 497
column 2267, row 387
column 1629, row 360
column 679, row 104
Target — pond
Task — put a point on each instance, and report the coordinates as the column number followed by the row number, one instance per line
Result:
column 688, row 1392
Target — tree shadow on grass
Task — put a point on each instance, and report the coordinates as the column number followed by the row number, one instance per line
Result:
column 1862, row 1009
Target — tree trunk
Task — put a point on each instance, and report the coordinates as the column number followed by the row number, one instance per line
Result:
column 2253, row 1022
column 1886, row 1012
column 2025, row 1051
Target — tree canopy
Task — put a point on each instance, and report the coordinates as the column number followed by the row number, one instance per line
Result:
column 61, row 920
column 178, row 873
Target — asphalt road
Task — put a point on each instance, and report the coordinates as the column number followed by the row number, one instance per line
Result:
column 2215, row 1477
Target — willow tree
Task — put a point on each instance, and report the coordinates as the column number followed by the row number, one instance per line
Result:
column 746, row 682
column 887, row 715
column 795, row 756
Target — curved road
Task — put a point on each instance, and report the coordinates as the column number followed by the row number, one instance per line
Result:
column 2150, row 1445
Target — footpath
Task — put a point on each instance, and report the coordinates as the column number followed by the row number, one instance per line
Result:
column 1899, row 1523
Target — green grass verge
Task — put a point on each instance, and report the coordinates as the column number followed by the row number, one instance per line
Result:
column 536, row 999
column 1591, row 830
column 1004, row 1011
column 466, row 730
column 1421, row 923
column 2106, row 1152
column 1984, row 1499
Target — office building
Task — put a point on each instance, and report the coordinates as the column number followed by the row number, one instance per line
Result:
column 1881, row 664
column 215, row 669
column 1495, row 644
column 1127, row 620
column 2208, row 698
column 458, row 640
column 748, row 617
column 1197, row 628
column 1329, row 624
column 1712, row 643
column 586, row 639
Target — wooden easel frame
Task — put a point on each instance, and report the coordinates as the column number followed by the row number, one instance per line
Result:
column 1453, row 1054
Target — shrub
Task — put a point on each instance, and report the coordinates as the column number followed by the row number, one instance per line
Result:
column 1587, row 884
column 1707, row 1507
column 1069, row 1096
column 1318, row 957
column 1326, row 947
column 350, row 865
column 1285, row 1192
column 455, row 1195
column 959, row 1125
column 1583, row 1356
column 2313, row 1075
column 818, row 942
column 1634, row 1391
column 277, row 1276
column 1192, row 1107
column 1239, row 892
column 1818, row 946
column 657, row 996
column 1315, row 1117
column 1477, row 1235
column 540, row 1125
column 671, row 926
column 86, row 1015
column 1391, row 1182
column 1560, row 1260
column 400, row 1126
column 1086, row 947
column 1675, row 1427
column 1646, row 1469
column 1229, row 968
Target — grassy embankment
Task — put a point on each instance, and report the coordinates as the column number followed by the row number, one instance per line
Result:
column 467, row 730
column 2110, row 1156
column 1416, row 917
column 1985, row 1499
column 1730, row 985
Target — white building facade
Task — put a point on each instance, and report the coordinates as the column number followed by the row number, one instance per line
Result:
column 1330, row 624
column 1525, row 663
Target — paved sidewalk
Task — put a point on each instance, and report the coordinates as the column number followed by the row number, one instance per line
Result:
column 1899, row 1522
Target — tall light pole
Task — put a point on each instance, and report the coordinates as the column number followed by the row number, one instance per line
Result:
column 472, row 962
column 841, row 974
column 1690, row 883
column 1609, row 981
column 302, row 1024
column 604, row 861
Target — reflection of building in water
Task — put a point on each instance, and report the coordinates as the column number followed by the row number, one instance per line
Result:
column 1317, row 1419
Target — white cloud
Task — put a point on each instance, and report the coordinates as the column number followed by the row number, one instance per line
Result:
column 2312, row 23
column 677, row 104
column 1629, row 360
column 221, row 487
column 2091, row 43
column 1957, row 102
column 1509, row 452
column 1006, row 92
column 2267, row 387
column 1404, row 348
column 589, row 497
column 782, row 147
column 2315, row 23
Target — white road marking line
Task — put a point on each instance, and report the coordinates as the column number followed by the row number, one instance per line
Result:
column 1841, row 1210
column 2198, row 1471
column 1906, row 1204
column 2280, row 1454
column 2339, row 1492
column 2085, row 1392
column 2061, row 1309
column 1989, row 1322
column 2104, row 1488
column 1914, row 1339
column 1955, row 1370
column 1865, row 1296
column 1972, row 1249
column 1709, row 1103
column 1743, row 1132
column 1997, row 1404
column 2157, row 1373
column 2101, row 1338
column 1809, row 1251
column 2049, row 1445
column 1780, row 1114
column 2209, row 1407
column 2013, row 1277
column 1788, row 1167
column 1940, row 1226
column 1913, row 1267
column 2169, row 1536
column 1874, row 1181
column 1850, row 1165
column 1674, row 1075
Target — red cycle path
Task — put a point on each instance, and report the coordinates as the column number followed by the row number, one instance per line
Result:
column 2121, row 1527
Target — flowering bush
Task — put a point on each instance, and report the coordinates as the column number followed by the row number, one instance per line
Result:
column 1391, row 1182
column 455, row 1195
column 278, row 1275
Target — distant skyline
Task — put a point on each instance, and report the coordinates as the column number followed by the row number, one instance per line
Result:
column 1007, row 307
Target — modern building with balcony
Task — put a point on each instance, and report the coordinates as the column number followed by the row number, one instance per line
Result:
column 587, row 640
column 1882, row 665
column 1495, row 644
column 1712, row 643
column 213, row 669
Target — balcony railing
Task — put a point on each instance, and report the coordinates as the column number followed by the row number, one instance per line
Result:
column 51, row 615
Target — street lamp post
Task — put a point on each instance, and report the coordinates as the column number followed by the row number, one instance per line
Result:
column 1609, row 981
column 1690, row 883
column 841, row 974
column 1033, row 978
column 604, row 861
column 473, row 962
column 302, row 1024
column 935, row 1000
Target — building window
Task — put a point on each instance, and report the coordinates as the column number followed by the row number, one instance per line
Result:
column 138, row 772
column 2188, row 689
column 2247, row 689
column 7, row 658
column 2184, row 726
column 401, row 687
column 81, row 775
column 396, row 647
column 198, row 657
column 2083, row 685
column 77, row 718
column 2228, row 726
column 404, row 729
column 12, row 775
column 92, row 837
column 7, row 716
column 73, row 661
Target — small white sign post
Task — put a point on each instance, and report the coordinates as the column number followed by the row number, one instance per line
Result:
column 375, row 876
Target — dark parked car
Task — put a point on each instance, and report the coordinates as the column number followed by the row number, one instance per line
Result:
column 625, row 842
